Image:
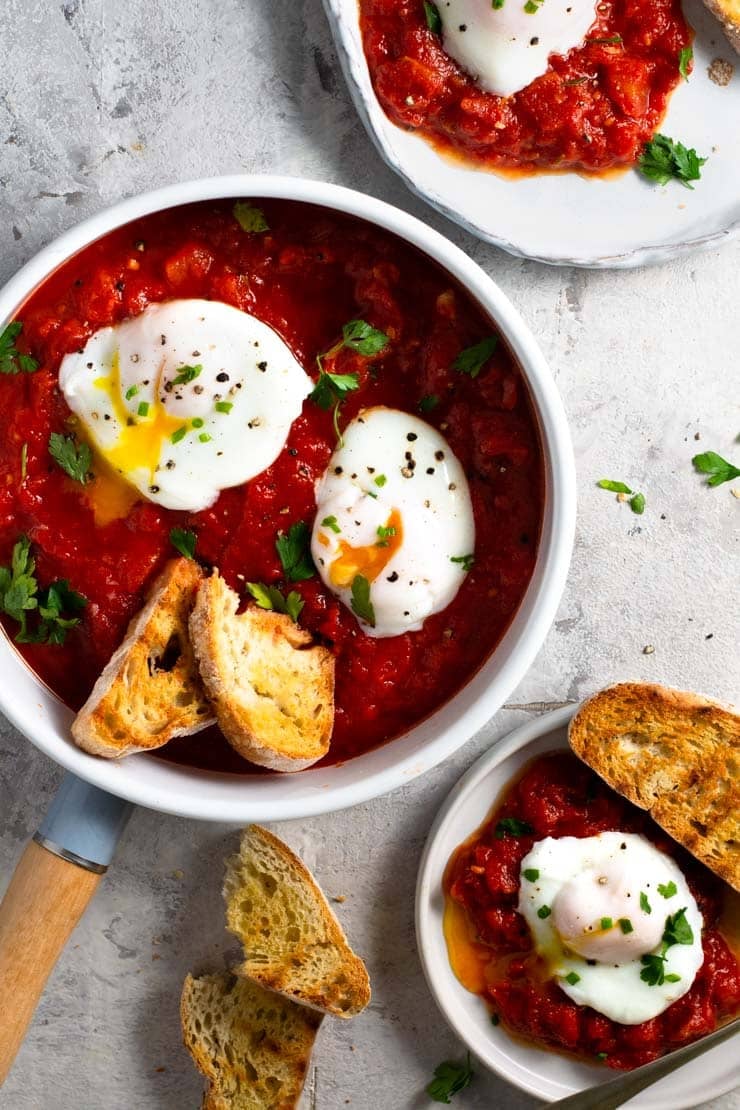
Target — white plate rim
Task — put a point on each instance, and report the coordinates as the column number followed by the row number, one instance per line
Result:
column 354, row 66
column 427, row 924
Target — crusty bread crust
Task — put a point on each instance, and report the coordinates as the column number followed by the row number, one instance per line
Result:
column 728, row 13
column 252, row 1046
column 272, row 687
column 150, row 690
column 293, row 943
column 675, row 755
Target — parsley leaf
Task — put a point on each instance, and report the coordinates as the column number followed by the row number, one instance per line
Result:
column 333, row 388
column 512, row 826
column 572, row 977
column 434, row 21
column 428, row 402
column 249, row 217
column 362, row 337
column 667, row 890
column 20, row 596
column 183, row 541
column 332, row 523
column 294, row 553
column 11, row 359
column 531, row 874
column 449, row 1079
column 472, row 360
column 188, row 374
column 613, row 487
column 75, row 459
column 653, row 970
column 637, row 503
column 270, row 597
column 685, row 58
column 644, row 903
column 362, row 606
column 544, row 912
column 663, row 159
column 677, row 929
column 719, row 469
column 465, row 561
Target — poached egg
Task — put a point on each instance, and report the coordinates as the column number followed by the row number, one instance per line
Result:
column 506, row 44
column 598, row 909
column 394, row 533
column 189, row 398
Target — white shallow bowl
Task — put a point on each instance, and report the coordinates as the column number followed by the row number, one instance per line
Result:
column 540, row 1072
column 567, row 219
column 224, row 797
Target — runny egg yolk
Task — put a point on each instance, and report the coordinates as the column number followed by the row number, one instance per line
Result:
column 368, row 561
column 139, row 444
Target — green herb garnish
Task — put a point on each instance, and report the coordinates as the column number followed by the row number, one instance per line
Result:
column 183, row 541
column 685, row 58
column 472, row 360
column 331, row 389
column 270, row 597
column 637, row 500
column 331, row 522
column 362, row 337
column 143, row 409
column 131, row 392
column 611, row 40
column 21, row 598
column 11, row 359
column 187, row 374
column 428, row 402
column 449, row 1079
column 74, row 459
column 625, row 925
column 224, row 406
column 179, row 433
column 677, row 929
column 204, row 437
column 294, row 552
column 249, row 217
column 465, row 561
column 713, row 464
column 380, row 480
column 572, row 977
column 644, row 904
column 544, row 912
column 512, row 826
column 663, row 159
column 434, row 21
column 531, row 874
column 361, row 603
column 384, row 534
column 606, row 923
column 667, row 890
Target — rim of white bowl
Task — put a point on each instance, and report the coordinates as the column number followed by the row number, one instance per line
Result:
column 496, row 1049
column 189, row 792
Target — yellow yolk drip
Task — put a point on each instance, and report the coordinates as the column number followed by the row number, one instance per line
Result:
column 139, row 444
column 368, row 561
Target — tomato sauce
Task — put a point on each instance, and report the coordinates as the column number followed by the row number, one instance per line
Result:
column 489, row 941
column 310, row 273
column 592, row 109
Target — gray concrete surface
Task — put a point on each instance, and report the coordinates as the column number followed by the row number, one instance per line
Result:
column 100, row 100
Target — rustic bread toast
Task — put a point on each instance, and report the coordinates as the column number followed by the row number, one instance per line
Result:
column 674, row 754
column 150, row 691
column 728, row 13
column 292, row 941
column 252, row 1046
column 272, row 687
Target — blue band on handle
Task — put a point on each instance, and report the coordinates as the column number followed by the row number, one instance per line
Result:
column 84, row 823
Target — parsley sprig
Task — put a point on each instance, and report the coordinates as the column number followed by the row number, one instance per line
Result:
column 637, row 500
column 719, row 469
column 183, row 541
column 685, row 59
column 21, row 599
column 677, row 931
column 449, row 1079
column 12, row 361
column 74, row 458
column 249, row 217
column 664, row 159
column 433, row 18
column 512, row 826
column 362, row 606
column 294, row 553
column 472, row 360
column 331, row 389
column 270, row 597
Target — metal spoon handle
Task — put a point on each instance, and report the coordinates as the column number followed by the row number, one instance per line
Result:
column 616, row 1092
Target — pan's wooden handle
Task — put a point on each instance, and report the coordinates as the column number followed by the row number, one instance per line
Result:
column 44, row 901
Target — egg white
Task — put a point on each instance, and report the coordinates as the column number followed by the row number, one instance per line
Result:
column 180, row 443
column 504, row 49
column 393, row 463
column 612, row 987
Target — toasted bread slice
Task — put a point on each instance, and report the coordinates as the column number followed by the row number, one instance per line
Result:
column 272, row 687
column 252, row 1046
column 674, row 754
column 292, row 941
column 150, row 691
column 728, row 13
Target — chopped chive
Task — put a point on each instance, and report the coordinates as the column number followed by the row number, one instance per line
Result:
column 131, row 392
column 380, row 480
column 143, row 409
column 179, row 434
column 625, row 925
column 197, row 422
column 572, row 977
column 644, row 904
column 606, row 923
column 204, row 437
column 543, row 912
column 224, row 406
column 331, row 522
column 667, row 890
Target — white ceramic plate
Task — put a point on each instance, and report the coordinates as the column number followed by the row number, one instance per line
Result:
column 545, row 1074
column 566, row 219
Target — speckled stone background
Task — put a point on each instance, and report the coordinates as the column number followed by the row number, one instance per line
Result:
column 101, row 99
